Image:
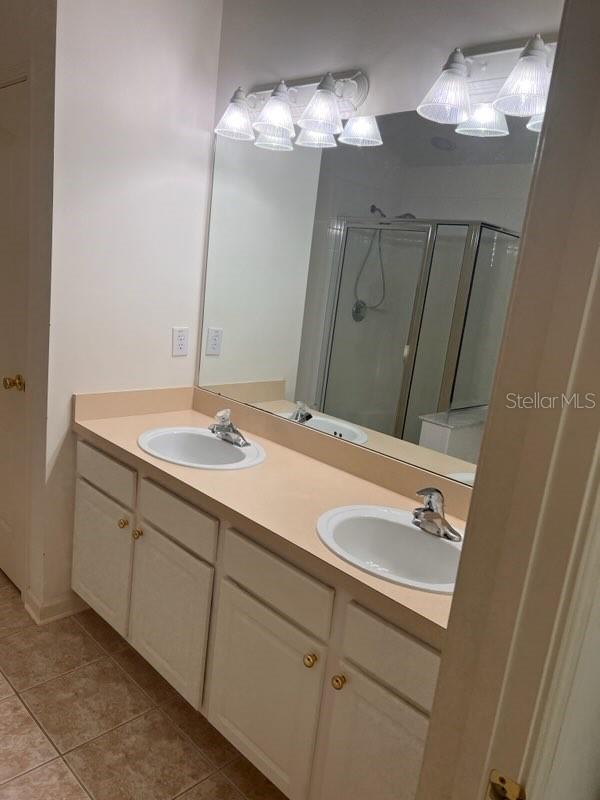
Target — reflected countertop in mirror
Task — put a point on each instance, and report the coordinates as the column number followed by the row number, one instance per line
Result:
column 370, row 283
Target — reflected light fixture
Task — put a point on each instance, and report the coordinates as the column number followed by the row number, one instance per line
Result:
column 322, row 114
column 484, row 121
column 447, row 102
column 276, row 118
column 524, row 92
column 268, row 142
column 235, row 122
column 361, row 132
column 312, row 139
column 535, row 123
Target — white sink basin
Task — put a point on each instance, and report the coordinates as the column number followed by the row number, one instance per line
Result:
column 198, row 447
column 335, row 427
column 384, row 542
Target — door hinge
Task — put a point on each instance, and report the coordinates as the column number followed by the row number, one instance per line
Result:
column 502, row 788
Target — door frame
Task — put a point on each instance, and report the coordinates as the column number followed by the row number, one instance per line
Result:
column 530, row 525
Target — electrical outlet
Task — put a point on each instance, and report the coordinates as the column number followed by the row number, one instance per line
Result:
column 214, row 340
column 179, row 342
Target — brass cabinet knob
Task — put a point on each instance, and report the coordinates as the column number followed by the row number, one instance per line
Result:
column 338, row 682
column 309, row 660
column 123, row 523
column 137, row 533
column 18, row 383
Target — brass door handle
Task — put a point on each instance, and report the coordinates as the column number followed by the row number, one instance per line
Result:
column 123, row 523
column 338, row 682
column 310, row 659
column 18, row 383
column 137, row 533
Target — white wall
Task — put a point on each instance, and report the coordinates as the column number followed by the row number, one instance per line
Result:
column 135, row 93
column 262, row 216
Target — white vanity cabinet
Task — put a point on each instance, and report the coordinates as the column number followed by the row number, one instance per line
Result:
column 375, row 743
column 170, row 607
column 265, row 694
column 327, row 699
column 103, row 554
column 130, row 566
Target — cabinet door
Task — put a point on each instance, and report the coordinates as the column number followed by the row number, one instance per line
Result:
column 102, row 555
column 262, row 696
column 375, row 744
column 170, row 608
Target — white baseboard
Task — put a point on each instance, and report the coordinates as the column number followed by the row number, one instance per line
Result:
column 43, row 613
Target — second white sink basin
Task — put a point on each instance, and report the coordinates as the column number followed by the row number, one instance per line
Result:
column 334, row 427
column 384, row 542
column 198, row 447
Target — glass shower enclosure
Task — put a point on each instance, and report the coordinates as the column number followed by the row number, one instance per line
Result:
column 414, row 319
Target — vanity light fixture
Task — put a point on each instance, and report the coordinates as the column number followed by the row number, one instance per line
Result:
column 484, row 121
column 318, row 140
column 322, row 114
column 525, row 90
column 316, row 105
column 268, row 142
column 275, row 119
column 361, row 131
column 235, row 122
column 447, row 102
column 535, row 123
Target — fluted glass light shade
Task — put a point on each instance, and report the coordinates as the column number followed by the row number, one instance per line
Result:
column 484, row 121
column 535, row 123
column 267, row 142
column 312, row 139
column 235, row 122
column 275, row 119
column 447, row 101
column 322, row 114
column 361, row 132
column 525, row 90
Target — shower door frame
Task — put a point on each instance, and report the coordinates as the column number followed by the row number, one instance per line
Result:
column 339, row 232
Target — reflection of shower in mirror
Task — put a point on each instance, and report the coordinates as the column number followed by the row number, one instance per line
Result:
column 360, row 306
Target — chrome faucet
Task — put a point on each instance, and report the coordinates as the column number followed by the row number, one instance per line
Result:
column 224, row 429
column 302, row 414
column 430, row 516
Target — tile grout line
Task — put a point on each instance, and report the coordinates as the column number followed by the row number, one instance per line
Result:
column 155, row 706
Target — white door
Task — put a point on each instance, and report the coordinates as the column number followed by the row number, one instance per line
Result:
column 102, row 555
column 170, row 610
column 14, row 268
column 265, row 696
column 375, row 743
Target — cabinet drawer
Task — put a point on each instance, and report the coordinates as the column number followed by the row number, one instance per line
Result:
column 183, row 522
column 290, row 591
column 108, row 475
column 390, row 655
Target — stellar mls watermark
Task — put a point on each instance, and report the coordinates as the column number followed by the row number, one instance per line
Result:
column 537, row 400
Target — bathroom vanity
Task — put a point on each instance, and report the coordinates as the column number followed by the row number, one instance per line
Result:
column 322, row 675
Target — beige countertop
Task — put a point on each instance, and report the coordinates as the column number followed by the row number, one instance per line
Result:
column 285, row 495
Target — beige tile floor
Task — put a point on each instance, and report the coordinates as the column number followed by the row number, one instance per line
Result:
column 83, row 716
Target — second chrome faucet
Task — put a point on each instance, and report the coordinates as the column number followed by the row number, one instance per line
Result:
column 430, row 517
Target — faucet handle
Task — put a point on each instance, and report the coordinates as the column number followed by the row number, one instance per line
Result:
column 433, row 499
column 223, row 417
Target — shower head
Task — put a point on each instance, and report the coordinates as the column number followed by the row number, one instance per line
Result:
column 376, row 210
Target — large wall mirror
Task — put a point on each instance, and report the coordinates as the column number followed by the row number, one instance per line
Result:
column 364, row 291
